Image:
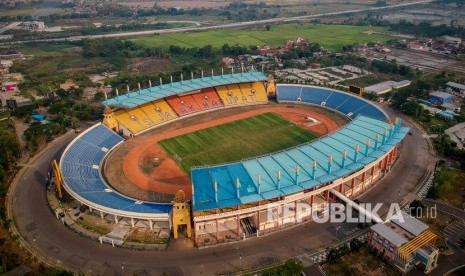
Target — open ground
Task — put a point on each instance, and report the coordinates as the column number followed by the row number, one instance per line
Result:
column 125, row 174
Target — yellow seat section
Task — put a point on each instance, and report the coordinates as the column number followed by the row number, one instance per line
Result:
column 246, row 90
column 145, row 116
column 223, row 93
column 163, row 111
column 125, row 119
column 260, row 92
column 141, row 117
column 237, row 95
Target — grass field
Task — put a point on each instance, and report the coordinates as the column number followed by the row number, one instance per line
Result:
column 333, row 37
column 449, row 187
column 234, row 141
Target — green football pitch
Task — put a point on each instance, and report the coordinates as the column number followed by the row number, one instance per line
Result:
column 235, row 141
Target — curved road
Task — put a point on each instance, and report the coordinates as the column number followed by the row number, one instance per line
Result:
column 221, row 26
column 45, row 233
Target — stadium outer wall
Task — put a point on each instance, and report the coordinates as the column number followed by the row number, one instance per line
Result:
column 254, row 220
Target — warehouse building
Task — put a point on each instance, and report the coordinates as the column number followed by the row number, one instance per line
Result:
column 439, row 98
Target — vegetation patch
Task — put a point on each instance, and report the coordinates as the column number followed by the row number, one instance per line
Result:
column 449, row 187
column 332, row 37
column 366, row 263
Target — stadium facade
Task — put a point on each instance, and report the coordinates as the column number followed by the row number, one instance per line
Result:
column 244, row 199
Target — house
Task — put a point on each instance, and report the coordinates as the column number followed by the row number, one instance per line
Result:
column 9, row 87
column 3, row 69
column 415, row 45
column 454, row 41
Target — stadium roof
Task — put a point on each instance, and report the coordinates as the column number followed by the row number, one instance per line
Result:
column 237, row 183
column 134, row 99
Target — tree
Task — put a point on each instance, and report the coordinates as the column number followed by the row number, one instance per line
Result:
column 268, row 27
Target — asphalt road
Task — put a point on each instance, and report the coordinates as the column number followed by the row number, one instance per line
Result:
column 42, row 230
column 221, row 26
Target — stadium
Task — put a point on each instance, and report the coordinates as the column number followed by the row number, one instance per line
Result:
column 304, row 155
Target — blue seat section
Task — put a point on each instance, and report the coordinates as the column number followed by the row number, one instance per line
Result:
column 349, row 104
column 292, row 94
column 315, row 95
column 357, row 132
column 80, row 176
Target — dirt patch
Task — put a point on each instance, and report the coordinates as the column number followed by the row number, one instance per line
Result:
column 150, row 66
column 132, row 169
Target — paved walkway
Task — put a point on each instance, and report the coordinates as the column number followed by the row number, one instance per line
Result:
column 456, row 132
column 456, row 212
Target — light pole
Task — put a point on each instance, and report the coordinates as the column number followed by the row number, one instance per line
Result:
column 337, row 228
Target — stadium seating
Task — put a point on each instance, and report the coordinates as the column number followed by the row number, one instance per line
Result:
column 183, row 105
column 207, row 99
column 348, row 104
column 260, row 92
column 145, row 116
column 81, row 178
column 254, row 92
column 242, row 94
column 229, row 97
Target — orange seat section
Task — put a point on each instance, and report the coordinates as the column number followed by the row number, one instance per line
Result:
column 183, row 105
column 207, row 99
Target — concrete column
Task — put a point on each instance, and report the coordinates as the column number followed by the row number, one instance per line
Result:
column 238, row 225
column 90, row 209
column 311, row 207
column 151, row 224
column 352, row 185
column 217, row 235
column 327, row 196
column 258, row 221
column 101, row 214
column 295, row 211
column 116, row 219
column 363, row 180
column 132, row 222
column 195, row 232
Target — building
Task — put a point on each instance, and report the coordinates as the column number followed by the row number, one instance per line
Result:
column 405, row 242
column 440, row 98
column 3, row 69
column 455, row 41
column 386, row 87
column 415, row 45
column 9, row 87
column 448, row 115
column 455, row 88
column 6, row 62
column 12, row 101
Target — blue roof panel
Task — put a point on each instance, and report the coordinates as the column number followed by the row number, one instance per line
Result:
column 140, row 97
column 355, row 133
